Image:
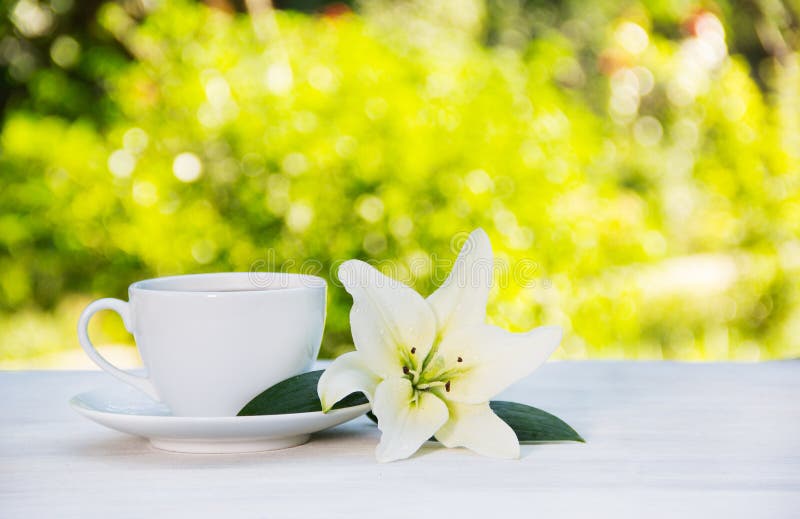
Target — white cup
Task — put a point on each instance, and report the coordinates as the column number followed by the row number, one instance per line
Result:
column 211, row 342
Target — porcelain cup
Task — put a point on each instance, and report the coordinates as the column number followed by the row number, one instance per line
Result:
column 211, row 342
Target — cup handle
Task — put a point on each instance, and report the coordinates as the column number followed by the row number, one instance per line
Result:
column 123, row 309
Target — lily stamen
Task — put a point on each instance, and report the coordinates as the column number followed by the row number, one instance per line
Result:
column 430, row 385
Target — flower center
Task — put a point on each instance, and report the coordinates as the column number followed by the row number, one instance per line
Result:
column 431, row 374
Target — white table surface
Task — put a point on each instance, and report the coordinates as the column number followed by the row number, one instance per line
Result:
column 664, row 440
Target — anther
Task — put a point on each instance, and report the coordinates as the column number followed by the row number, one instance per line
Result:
column 447, row 386
column 413, row 351
column 405, row 370
column 460, row 359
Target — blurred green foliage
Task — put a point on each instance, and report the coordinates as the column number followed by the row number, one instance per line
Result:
column 635, row 164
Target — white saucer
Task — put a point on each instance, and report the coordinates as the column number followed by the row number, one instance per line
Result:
column 130, row 411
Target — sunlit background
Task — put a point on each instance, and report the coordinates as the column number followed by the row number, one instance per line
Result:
column 639, row 157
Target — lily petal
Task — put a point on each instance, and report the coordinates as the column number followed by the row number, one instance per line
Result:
column 388, row 319
column 347, row 374
column 476, row 427
column 405, row 424
column 492, row 359
column 461, row 300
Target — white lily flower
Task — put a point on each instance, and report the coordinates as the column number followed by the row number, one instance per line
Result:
column 430, row 366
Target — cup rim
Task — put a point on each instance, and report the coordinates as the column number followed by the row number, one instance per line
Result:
column 256, row 280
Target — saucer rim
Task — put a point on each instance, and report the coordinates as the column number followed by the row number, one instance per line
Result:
column 81, row 407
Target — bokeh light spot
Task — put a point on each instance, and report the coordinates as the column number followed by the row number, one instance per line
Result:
column 145, row 193
column 135, row 140
column 305, row 122
column 645, row 80
column 187, row 167
column 204, row 251
column 321, row 78
column 374, row 243
column 478, row 181
column 31, row 18
column 401, row 227
column 65, row 51
column 295, row 164
column 121, row 163
column 217, row 91
column 278, row 78
column 632, row 37
column 346, row 146
column 370, row 208
column 648, row 131
column 299, row 216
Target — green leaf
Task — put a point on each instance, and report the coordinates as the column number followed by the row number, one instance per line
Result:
column 297, row 394
column 529, row 424
column 534, row 425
